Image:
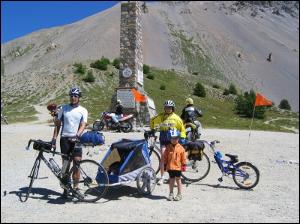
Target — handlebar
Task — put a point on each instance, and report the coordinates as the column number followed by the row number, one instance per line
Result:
column 149, row 134
column 40, row 145
column 211, row 144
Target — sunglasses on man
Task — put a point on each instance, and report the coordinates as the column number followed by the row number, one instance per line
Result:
column 74, row 95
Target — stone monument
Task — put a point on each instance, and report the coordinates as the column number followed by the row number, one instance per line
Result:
column 131, row 78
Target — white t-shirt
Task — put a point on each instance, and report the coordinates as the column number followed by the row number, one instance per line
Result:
column 71, row 118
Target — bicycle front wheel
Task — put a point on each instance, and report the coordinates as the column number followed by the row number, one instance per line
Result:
column 154, row 160
column 196, row 170
column 246, row 175
column 93, row 182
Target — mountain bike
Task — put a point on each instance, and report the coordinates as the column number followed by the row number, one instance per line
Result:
column 245, row 175
column 88, row 189
column 154, row 150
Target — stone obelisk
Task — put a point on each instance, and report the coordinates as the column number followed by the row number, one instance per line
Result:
column 131, row 63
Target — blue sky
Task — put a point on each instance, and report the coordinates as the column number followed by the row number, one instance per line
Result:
column 19, row 18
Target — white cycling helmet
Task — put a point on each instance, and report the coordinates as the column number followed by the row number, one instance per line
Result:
column 75, row 91
column 169, row 103
column 174, row 133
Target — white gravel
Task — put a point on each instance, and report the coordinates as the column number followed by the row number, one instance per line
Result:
column 274, row 199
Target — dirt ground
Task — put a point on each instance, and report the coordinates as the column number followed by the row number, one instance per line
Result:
column 274, row 199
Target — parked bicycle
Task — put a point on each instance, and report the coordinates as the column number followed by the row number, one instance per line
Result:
column 244, row 174
column 89, row 189
column 198, row 164
column 154, row 150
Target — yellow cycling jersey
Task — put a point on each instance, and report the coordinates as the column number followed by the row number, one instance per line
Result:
column 168, row 121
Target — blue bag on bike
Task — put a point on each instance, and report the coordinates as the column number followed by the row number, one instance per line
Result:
column 92, row 137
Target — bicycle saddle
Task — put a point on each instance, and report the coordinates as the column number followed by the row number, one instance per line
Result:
column 233, row 158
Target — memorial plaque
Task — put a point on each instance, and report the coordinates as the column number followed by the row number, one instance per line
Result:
column 150, row 103
column 140, row 77
column 126, row 97
column 127, row 72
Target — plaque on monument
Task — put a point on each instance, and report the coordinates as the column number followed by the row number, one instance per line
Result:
column 127, row 72
column 140, row 77
column 151, row 103
column 126, row 97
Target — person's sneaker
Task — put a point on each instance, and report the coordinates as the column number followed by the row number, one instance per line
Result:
column 171, row 197
column 178, row 197
column 65, row 194
column 78, row 193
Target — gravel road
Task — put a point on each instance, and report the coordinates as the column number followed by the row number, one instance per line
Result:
column 274, row 199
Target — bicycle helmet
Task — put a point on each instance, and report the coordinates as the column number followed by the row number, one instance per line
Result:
column 169, row 103
column 52, row 107
column 189, row 101
column 173, row 133
column 119, row 102
column 75, row 91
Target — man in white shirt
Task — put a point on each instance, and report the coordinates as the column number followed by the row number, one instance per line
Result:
column 73, row 119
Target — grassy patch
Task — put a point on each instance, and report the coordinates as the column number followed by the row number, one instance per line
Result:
column 218, row 113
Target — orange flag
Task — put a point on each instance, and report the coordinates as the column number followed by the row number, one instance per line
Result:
column 138, row 96
column 260, row 100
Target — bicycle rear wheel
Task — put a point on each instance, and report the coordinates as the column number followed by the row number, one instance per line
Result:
column 93, row 182
column 246, row 175
column 154, row 159
column 196, row 170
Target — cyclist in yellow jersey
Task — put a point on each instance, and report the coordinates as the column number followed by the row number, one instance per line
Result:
column 166, row 121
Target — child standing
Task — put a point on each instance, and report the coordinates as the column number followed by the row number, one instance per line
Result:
column 174, row 162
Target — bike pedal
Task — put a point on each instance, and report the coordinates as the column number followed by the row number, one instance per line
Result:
column 220, row 179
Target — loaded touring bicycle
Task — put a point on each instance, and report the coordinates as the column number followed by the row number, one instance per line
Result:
column 125, row 161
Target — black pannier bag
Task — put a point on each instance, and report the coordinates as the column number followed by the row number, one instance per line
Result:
column 195, row 150
column 42, row 145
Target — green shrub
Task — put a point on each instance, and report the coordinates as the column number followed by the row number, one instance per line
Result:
column 150, row 76
column 162, row 87
column 116, row 63
column 284, row 104
column 80, row 68
column 232, row 89
column 146, row 69
column 105, row 60
column 244, row 105
column 216, row 86
column 195, row 73
column 89, row 77
column 100, row 64
column 199, row 90
column 226, row 92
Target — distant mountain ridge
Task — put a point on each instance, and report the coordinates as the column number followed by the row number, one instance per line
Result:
column 222, row 41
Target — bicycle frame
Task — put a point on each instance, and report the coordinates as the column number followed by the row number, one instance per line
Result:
column 35, row 169
column 226, row 167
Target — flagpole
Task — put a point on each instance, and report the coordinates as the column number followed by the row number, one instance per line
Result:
column 251, row 123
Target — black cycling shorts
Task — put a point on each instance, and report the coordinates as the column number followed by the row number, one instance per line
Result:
column 174, row 173
column 67, row 147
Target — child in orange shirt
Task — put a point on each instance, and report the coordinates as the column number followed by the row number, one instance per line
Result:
column 174, row 161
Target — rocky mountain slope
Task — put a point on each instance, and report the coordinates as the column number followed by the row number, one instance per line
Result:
column 222, row 41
